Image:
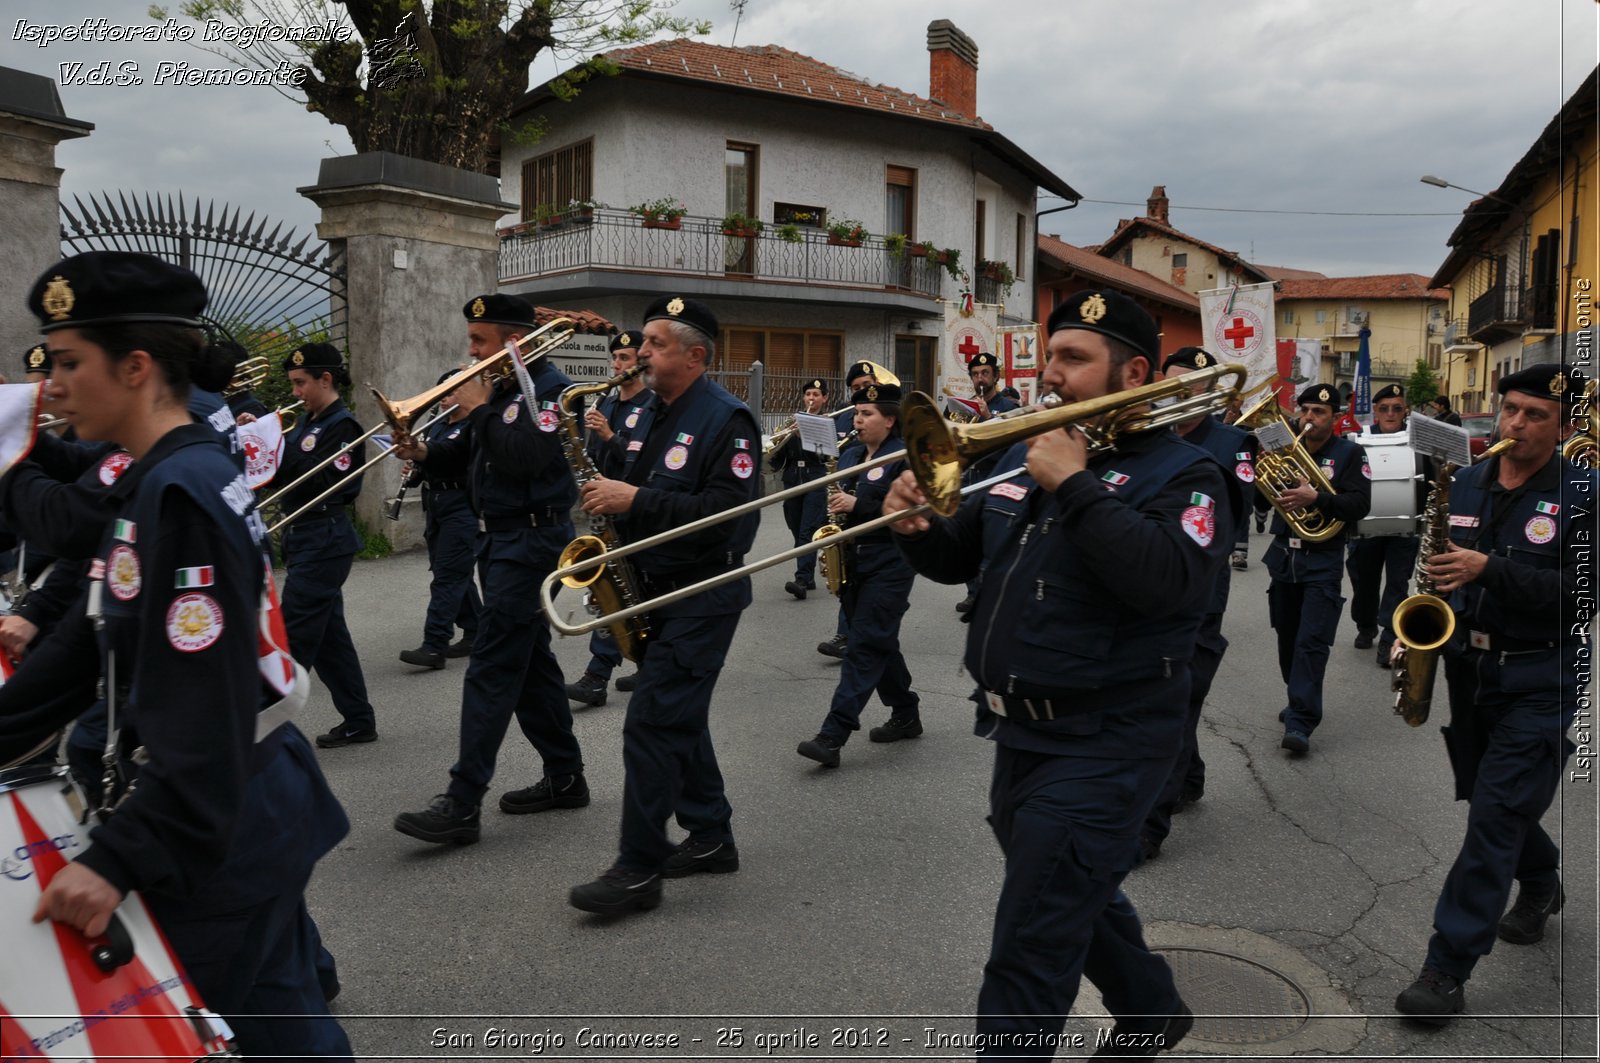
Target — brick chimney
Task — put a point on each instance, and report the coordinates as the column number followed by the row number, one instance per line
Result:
column 1155, row 207
column 952, row 68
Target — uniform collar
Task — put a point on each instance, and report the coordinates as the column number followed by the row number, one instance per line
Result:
column 1548, row 478
column 328, row 411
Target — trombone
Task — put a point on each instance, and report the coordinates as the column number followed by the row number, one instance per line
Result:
column 402, row 415
column 937, row 451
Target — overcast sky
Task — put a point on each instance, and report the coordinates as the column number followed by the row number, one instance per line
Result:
column 1285, row 105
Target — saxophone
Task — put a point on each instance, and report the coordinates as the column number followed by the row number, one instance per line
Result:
column 1424, row 622
column 615, row 586
column 835, row 566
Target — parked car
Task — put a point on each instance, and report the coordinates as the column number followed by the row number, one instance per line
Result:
column 1480, row 430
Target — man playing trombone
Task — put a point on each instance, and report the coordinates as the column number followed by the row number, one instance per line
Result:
column 1081, row 661
column 700, row 455
column 522, row 489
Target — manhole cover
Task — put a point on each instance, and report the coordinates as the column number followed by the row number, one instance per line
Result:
column 1235, row 1001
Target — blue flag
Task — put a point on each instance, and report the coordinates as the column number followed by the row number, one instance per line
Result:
column 1361, row 396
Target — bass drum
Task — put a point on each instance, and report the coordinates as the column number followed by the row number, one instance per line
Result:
column 1393, row 466
column 65, row 996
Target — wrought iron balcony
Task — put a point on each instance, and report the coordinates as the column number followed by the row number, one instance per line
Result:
column 1495, row 315
column 618, row 240
column 1456, row 334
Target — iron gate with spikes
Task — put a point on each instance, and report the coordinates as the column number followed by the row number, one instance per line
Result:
column 269, row 290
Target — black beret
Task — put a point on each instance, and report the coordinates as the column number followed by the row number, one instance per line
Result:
column 36, row 360
column 314, row 358
column 499, row 310
column 626, row 341
column 878, row 393
column 1189, row 358
column 1111, row 314
column 818, row 383
column 1326, row 394
column 691, row 312
column 1550, row 380
column 116, row 288
column 1393, row 391
column 858, row 370
column 983, row 358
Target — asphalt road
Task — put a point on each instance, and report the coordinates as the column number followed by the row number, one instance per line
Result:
column 859, row 921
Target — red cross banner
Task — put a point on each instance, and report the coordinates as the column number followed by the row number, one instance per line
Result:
column 262, row 441
column 1238, row 326
column 19, row 421
column 964, row 336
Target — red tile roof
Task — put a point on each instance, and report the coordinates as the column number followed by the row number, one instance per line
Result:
column 1124, row 278
column 1127, row 228
column 780, row 71
column 584, row 321
column 1376, row 286
column 1285, row 273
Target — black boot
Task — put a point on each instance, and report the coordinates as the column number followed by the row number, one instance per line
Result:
column 1432, row 998
column 1524, row 923
column 590, row 689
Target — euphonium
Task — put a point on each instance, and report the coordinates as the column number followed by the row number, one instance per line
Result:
column 834, row 561
column 1424, row 622
column 614, row 585
column 1278, row 470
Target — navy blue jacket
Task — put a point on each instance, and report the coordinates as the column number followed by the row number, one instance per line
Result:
column 316, row 439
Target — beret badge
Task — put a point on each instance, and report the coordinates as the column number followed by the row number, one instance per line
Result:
column 624, row 340
column 675, row 307
column 872, row 393
column 1324, row 395
column 36, row 357
column 478, row 309
column 58, row 298
column 299, row 358
column 1558, row 384
column 1093, row 309
column 1201, row 361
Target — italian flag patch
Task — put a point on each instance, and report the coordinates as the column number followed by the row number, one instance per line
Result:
column 685, row 438
column 1116, row 478
column 742, row 444
column 1549, row 509
column 124, row 531
column 1198, row 499
column 189, row 578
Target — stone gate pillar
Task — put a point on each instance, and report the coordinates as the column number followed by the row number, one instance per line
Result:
column 418, row 240
column 32, row 123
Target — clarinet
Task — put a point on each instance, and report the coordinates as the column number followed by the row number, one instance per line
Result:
column 410, row 477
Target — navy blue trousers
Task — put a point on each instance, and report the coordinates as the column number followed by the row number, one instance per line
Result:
column 804, row 515
column 1389, row 560
column 1069, row 828
column 875, row 599
column 1507, row 750
column 671, row 767
column 1188, row 771
column 313, row 612
column 513, row 671
column 451, row 532
column 1306, row 618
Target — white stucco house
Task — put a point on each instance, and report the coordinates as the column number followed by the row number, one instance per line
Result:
column 799, row 146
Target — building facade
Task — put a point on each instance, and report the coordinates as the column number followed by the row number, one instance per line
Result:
column 1405, row 317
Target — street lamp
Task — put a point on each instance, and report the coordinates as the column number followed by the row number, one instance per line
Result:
column 1440, row 182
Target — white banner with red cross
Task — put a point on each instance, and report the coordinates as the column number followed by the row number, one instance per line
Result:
column 965, row 335
column 262, row 442
column 1238, row 326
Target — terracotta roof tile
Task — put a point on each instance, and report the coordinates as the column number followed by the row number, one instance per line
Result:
column 782, row 72
column 586, row 322
column 1375, row 286
column 1124, row 278
column 1285, row 273
column 1127, row 227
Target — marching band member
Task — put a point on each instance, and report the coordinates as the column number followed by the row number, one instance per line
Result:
column 803, row 515
column 701, row 454
column 1303, row 599
column 983, row 370
column 1227, row 446
column 1386, row 560
column 1081, row 663
column 1520, row 524
column 321, row 544
column 223, row 828
column 450, row 530
column 876, row 595
column 522, row 489
column 611, row 422
column 856, row 377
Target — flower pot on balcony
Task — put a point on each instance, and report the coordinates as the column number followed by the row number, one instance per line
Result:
column 840, row 241
column 917, row 251
column 740, row 234
column 583, row 217
column 662, row 223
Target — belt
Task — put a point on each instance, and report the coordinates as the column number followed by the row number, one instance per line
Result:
column 1024, row 708
column 444, row 485
column 543, row 518
column 658, row 585
column 1487, row 641
column 332, row 509
column 1079, row 702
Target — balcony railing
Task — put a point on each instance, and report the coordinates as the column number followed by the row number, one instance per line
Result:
column 1495, row 315
column 1456, row 333
column 622, row 240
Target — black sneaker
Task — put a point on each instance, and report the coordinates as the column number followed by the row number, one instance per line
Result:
column 423, row 657
column 896, row 728
column 715, row 858
column 1241, row 560
column 1147, row 1037
column 834, row 647
column 822, row 749
column 1189, row 796
column 590, row 689
column 1432, row 998
column 563, row 791
column 461, row 647
column 444, row 820
column 1365, row 638
column 1261, row 523
column 627, row 682
column 796, row 589
column 618, row 891
column 343, row 735
column 1296, row 742
column 1524, row 923
column 965, row 604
